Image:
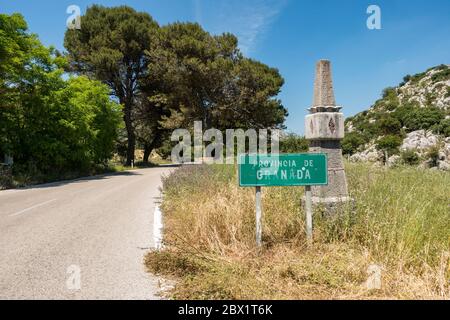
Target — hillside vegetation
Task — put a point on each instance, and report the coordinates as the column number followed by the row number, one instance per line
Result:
column 400, row 223
column 410, row 122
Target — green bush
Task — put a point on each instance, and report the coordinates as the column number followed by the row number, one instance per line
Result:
column 293, row 143
column 442, row 128
column 406, row 79
column 50, row 125
column 390, row 143
column 402, row 112
column 69, row 127
column 367, row 129
column 417, row 77
column 389, row 93
column 442, row 67
column 423, row 118
column 165, row 150
column 351, row 143
column 445, row 127
column 433, row 155
column 410, row 157
column 443, row 75
column 389, row 124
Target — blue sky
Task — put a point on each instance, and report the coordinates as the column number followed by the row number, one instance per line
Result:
column 292, row 35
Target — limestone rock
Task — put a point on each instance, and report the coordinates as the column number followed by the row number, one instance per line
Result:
column 420, row 141
column 426, row 89
column 423, row 90
column 444, row 165
column 445, row 151
column 394, row 160
column 370, row 154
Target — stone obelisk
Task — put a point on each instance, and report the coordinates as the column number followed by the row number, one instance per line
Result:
column 324, row 128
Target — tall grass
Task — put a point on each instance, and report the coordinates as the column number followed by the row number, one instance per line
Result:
column 400, row 220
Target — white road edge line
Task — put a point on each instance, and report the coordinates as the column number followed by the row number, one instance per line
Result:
column 157, row 228
column 31, row 208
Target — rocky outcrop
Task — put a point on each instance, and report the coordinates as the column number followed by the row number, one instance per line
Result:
column 370, row 154
column 394, row 160
column 427, row 88
column 420, row 141
column 423, row 141
column 420, row 101
column 444, row 165
column 444, row 156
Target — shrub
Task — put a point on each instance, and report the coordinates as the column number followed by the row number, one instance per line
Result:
column 389, row 93
column 406, row 79
column 423, row 118
column 433, row 155
column 442, row 67
column 389, row 143
column 402, row 112
column 390, row 99
column 165, row 150
column 442, row 128
column 293, row 143
column 417, row 77
column 443, row 75
column 367, row 129
column 352, row 142
column 445, row 125
column 410, row 157
column 389, row 124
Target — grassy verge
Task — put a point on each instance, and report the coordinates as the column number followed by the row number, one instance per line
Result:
column 401, row 223
column 23, row 177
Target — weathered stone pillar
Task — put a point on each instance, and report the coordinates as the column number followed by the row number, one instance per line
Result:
column 324, row 128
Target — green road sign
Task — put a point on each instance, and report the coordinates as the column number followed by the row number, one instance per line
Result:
column 309, row 169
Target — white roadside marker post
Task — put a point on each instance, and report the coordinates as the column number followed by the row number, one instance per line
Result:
column 309, row 215
column 258, row 218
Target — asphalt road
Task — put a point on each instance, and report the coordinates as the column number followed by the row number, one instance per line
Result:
column 82, row 239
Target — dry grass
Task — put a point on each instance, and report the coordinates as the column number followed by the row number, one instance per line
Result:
column 401, row 222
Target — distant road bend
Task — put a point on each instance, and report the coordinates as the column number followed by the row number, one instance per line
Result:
column 81, row 239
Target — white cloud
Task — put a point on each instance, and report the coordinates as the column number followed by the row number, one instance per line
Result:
column 247, row 19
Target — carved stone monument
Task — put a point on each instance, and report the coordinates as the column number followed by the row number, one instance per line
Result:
column 324, row 128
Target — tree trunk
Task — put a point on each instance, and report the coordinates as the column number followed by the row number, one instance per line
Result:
column 150, row 146
column 130, row 134
column 147, row 151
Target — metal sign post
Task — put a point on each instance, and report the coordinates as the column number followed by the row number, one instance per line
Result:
column 258, row 217
column 309, row 215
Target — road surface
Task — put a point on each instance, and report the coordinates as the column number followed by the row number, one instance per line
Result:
column 82, row 239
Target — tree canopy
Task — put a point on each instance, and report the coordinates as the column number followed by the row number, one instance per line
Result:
column 111, row 46
column 196, row 76
column 49, row 123
column 206, row 78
